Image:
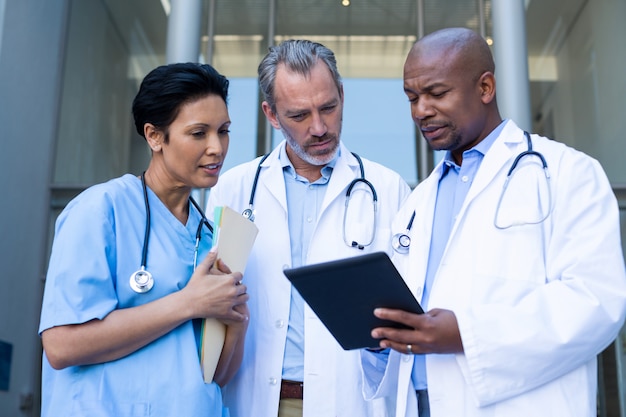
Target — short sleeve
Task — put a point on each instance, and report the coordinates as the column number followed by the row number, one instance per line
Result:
column 79, row 284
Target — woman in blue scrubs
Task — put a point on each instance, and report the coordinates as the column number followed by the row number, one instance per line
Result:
column 114, row 350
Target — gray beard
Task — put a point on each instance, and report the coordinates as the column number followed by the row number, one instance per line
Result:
column 316, row 160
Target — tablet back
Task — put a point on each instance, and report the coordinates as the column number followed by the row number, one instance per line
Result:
column 345, row 292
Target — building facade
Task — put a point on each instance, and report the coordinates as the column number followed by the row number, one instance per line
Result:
column 69, row 70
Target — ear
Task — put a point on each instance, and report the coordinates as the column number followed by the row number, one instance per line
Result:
column 487, row 85
column 271, row 116
column 154, row 137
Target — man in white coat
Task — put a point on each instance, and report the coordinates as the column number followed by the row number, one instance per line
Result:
column 523, row 286
column 298, row 200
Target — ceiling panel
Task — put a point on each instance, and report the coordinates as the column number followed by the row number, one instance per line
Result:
column 330, row 17
column 241, row 27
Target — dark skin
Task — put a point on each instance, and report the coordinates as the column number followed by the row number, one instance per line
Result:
column 449, row 80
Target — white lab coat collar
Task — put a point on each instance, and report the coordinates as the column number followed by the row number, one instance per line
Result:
column 346, row 169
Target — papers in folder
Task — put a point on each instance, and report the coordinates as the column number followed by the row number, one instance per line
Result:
column 233, row 236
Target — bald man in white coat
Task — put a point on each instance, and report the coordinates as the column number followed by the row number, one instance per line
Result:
column 523, row 287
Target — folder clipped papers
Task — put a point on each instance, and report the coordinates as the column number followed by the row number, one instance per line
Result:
column 234, row 237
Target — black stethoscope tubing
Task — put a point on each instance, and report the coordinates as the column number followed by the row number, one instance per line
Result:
column 249, row 212
column 527, row 152
column 146, row 236
column 361, row 179
column 355, row 181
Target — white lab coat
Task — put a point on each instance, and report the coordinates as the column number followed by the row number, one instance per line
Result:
column 535, row 304
column 332, row 381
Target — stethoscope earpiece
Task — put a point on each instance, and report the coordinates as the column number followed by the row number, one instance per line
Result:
column 357, row 245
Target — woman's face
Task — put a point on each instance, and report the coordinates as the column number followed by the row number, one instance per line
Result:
column 197, row 145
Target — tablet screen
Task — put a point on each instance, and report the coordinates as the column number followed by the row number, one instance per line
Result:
column 344, row 293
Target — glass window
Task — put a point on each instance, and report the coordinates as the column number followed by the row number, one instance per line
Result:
column 377, row 124
column 243, row 104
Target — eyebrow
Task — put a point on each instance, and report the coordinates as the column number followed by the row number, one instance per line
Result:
column 294, row 112
column 427, row 89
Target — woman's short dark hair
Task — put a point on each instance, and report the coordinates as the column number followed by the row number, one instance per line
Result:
column 167, row 88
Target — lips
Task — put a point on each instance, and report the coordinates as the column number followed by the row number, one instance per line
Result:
column 321, row 147
column 431, row 132
column 212, row 167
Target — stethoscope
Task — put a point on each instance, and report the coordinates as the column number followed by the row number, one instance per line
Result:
column 249, row 213
column 544, row 164
column 401, row 242
column 354, row 182
column 141, row 281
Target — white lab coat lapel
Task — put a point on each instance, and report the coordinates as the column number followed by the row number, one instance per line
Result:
column 498, row 158
column 413, row 268
column 271, row 177
column 421, row 232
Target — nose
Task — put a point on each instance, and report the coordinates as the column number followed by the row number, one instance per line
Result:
column 214, row 145
column 318, row 125
column 421, row 109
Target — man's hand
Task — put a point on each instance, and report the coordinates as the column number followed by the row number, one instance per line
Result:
column 436, row 331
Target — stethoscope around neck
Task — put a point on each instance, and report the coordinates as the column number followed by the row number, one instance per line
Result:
column 401, row 242
column 142, row 281
column 249, row 213
column 353, row 183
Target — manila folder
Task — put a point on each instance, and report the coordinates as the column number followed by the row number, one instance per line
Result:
column 234, row 237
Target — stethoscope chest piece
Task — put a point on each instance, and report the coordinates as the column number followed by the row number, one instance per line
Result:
column 141, row 281
column 401, row 242
column 248, row 214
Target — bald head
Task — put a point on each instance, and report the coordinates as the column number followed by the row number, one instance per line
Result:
column 449, row 80
column 456, row 47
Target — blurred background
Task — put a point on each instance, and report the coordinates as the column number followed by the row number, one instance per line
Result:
column 69, row 70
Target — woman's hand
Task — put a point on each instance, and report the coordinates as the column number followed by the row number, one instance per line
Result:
column 215, row 291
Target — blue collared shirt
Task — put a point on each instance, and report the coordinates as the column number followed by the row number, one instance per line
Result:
column 304, row 200
column 454, row 183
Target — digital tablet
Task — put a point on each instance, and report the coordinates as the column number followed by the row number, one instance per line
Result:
column 345, row 292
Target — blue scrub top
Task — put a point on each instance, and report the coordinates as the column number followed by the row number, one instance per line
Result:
column 97, row 246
